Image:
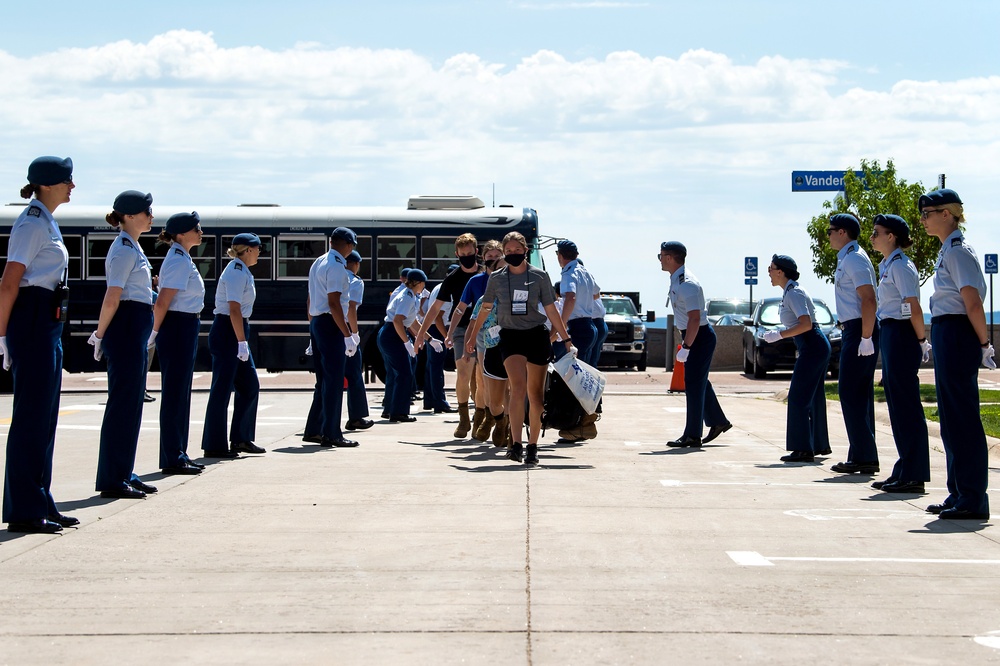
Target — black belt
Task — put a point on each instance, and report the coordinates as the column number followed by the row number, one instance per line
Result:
column 135, row 305
column 185, row 315
column 948, row 317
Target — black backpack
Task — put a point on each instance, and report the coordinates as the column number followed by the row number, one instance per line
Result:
column 561, row 411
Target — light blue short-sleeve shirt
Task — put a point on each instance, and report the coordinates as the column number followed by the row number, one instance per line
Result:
column 36, row 242
column 127, row 268
column 854, row 269
column 236, row 285
column 898, row 281
column 179, row 272
column 575, row 279
column 957, row 266
column 328, row 275
column 686, row 295
column 404, row 303
column 795, row 302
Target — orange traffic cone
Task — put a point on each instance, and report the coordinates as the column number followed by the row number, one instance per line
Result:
column 677, row 377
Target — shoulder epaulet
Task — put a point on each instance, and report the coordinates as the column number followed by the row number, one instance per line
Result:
column 179, row 251
column 957, row 242
column 34, row 211
column 681, row 278
column 853, row 248
column 238, row 267
column 126, row 242
column 338, row 258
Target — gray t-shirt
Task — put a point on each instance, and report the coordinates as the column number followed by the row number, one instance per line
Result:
column 518, row 296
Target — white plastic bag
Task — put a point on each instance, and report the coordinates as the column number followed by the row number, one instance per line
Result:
column 586, row 383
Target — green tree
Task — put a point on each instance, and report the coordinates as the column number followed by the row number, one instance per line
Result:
column 886, row 194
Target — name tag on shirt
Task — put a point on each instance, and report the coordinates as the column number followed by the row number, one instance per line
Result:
column 519, row 302
column 905, row 309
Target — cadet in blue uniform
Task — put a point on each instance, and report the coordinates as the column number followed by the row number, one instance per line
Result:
column 31, row 316
column 176, row 322
column 903, row 344
column 854, row 289
column 397, row 348
column 123, row 327
column 961, row 345
column 691, row 318
column 357, row 397
column 806, row 433
column 329, row 293
column 232, row 364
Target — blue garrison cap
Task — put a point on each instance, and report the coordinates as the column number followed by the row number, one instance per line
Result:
column 785, row 263
column 674, row 247
column 248, row 239
column 132, row 202
column 938, row 198
column 181, row 222
column 847, row 222
column 416, row 275
column 567, row 247
column 895, row 224
column 405, row 272
column 50, row 170
column 354, row 257
column 344, row 234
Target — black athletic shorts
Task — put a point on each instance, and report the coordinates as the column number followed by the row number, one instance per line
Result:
column 533, row 344
column 493, row 364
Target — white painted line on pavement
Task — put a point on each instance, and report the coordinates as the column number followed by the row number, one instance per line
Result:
column 749, row 558
column 856, row 514
column 676, row 410
column 674, row 483
column 632, row 443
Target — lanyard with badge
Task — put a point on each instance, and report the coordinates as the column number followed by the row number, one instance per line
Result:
column 518, row 297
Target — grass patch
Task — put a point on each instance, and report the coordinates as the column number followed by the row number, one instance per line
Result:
column 927, row 393
column 990, row 415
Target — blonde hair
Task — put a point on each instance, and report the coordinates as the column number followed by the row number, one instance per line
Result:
column 515, row 236
column 492, row 245
column 236, row 250
column 466, row 239
column 956, row 210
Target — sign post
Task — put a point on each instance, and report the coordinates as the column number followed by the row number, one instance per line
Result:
column 750, row 272
column 990, row 263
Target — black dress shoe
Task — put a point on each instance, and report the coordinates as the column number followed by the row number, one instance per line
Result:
column 147, row 398
column 312, row 439
column 937, row 508
column 904, row 487
column 185, row 470
column 798, row 456
column 125, row 492
column 445, row 410
column 190, row 463
column 359, row 424
column 531, row 454
column 715, row 431
column 514, row 452
column 385, row 415
column 402, row 418
column 248, row 447
column 824, row 452
column 853, row 467
column 65, row 521
column 962, row 514
column 685, row 441
column 37, row 526
column 225, row 454
column 878, row 485
column 144, row 487
column 339, row 442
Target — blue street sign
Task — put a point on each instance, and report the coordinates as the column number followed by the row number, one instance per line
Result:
column 750, row 281
column 750, row 267
column 820, row 181
column 991, row 263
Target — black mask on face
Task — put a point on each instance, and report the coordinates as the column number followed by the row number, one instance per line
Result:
column 491, row 264
column 468, row 261
column 514, row 259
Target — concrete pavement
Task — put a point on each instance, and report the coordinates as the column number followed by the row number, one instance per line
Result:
column 418, row 549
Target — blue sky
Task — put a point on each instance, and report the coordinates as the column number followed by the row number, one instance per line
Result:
column 623, row 123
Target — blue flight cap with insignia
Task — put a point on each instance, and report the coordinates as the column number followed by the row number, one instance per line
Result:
column 405, row 272
column 674, row 247
column 567, row 248
column 132, row 202
column 50, row 170
column 847, row 222
column 938, row 198
column 344, row 234
column 894, row 223
column 354, row 257
column 181, row 222
column 786, row 264
column 247, row 238
column 416, row 275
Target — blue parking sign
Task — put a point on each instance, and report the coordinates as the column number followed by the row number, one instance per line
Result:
column 750, row 267
column 991, row 263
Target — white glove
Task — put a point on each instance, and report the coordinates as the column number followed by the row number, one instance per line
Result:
column 243, row 352
column 682, row 354
column 988, row 361
column 409, row 348
column 771, row 337
column 357, row 338
column 309, row 349
column 925, row 347
column 350, row 346
column 866, row 347
column 436, row 345
column 4, row 352
column 96, row 343
column 449, row 342
column 573, row 350
column 152, row 340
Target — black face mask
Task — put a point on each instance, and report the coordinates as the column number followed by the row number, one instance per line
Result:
column 491, row 264
column 468, row 261
column 514, row 259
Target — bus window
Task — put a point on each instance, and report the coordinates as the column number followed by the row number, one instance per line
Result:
column 155, row 251
column 394, row 254
column 204, row 257
column 74, row 247
column 437, row 253
column 364, row 248
column 296, row 255
column 97, row 251
column 4, row 244
column 262, row 269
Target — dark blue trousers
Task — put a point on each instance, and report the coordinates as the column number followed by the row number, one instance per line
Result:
column 229, row 375
column 957, row 358
column 434, row 397
column 124, row 346
column 357, row 397
column 177, row 345
column 805, row 425
column 398, row 371
column 583, row 334
column 857, row 393
column 901, row 357
column 33, row 340
column 702, row 405
column 602, row 335
column 328, row 354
